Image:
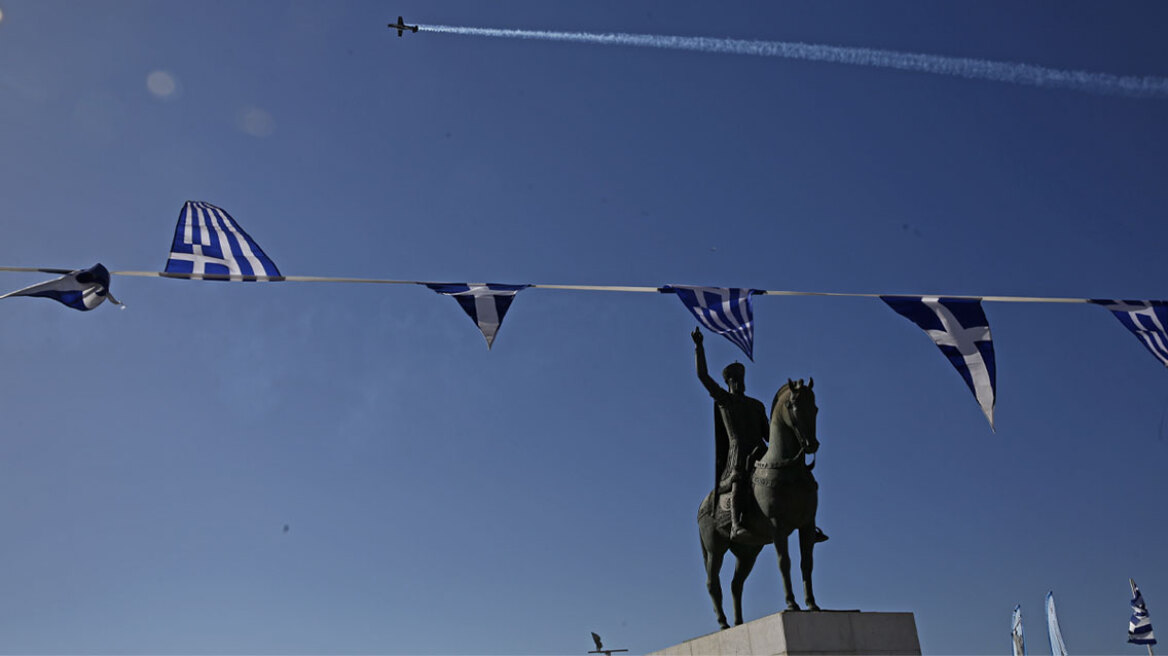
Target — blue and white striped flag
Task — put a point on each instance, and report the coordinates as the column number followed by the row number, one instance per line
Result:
column 210, row 245
column 1057, row 647
column 725, row 311
column 1147, row 321
column 485, row 303
column 83, row 289
column 1016, row 632
column 959, row 327
column 1139, row 629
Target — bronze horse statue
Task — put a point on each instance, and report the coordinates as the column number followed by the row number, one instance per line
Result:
column 785, row 499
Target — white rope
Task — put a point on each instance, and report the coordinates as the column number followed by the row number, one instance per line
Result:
column 586, row 288
column 38, row 270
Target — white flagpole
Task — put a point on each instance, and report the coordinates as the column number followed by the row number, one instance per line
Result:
column 1132, row 582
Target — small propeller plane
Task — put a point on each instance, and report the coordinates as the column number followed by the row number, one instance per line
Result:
column 400, row 26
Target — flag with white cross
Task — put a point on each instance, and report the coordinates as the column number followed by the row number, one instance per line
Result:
column 959, row 327
column 210, row 245
column 484, row 303
column 83, row 289
column 1146, row 320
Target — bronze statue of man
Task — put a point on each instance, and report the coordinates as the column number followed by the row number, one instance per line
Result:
column 740, row 427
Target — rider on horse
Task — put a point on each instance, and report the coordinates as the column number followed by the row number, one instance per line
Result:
column 740, row 427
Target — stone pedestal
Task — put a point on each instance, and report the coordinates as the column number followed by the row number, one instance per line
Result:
column 822, row 633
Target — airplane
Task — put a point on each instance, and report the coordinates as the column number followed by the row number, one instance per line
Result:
column 400, row 26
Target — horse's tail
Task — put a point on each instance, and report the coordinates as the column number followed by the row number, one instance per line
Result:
column 706, row 507
column 705, row 519
column 705, row 551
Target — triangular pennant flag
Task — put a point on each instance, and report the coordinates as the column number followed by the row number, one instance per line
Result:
column 725, row 311
column 484, row 303
column 1057, row 647
column 959, row 327
column 1139, row 629
column 1147, row 321
column 1016, row 632
column 210, row 245
column 83, row 289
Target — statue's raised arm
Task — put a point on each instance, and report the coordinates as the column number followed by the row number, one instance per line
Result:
column 711, row 386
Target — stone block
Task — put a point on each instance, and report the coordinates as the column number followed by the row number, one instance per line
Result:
column 810, row 633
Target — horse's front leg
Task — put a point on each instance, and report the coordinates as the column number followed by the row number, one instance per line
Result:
column 806, row 563
column 714, row 555
column 785, row 569
column 744, row 562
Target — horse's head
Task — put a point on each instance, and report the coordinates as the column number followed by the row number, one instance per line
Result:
column 796, row 404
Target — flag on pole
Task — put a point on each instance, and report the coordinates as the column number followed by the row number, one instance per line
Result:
column 959, row 327
column 1146, row 320
column 1139, row 629
column 485, row 303
column 210, row 245
column 1057, row 648
column 725, row 311
column 1016, row 632
column 83, row 289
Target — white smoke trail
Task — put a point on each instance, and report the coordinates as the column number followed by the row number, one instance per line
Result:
column 978, row 69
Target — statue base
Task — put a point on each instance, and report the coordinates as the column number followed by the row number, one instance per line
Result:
column 813, row 633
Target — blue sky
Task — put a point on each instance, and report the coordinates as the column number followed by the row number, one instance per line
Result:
column 446, row 499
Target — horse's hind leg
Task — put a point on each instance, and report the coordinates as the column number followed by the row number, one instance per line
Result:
column 806, row 563
column 714, row 555
column 785, row 569
column 744, row 563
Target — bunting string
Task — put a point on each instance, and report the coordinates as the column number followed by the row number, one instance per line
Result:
column 210, row 245
column 585, row 288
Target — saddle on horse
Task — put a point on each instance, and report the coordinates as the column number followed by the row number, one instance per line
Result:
column 717, row 507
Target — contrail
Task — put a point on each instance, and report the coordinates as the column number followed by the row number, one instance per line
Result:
column 976, row 69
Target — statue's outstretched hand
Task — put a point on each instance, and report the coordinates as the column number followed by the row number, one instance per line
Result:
column 697, row 336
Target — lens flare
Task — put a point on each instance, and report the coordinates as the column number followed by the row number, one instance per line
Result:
column 256, row 122
column 161, row 84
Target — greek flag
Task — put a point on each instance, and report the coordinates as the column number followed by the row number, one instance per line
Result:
column 210, row 245
column 1139, row 629
column 721, row 310
column 1146, row 320
column 83, row 289
column 1057, row 648
column 959, row 327
column 1016, row 632
column 485, row 303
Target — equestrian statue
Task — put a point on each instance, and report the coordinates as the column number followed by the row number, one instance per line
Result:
column 763, row 487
